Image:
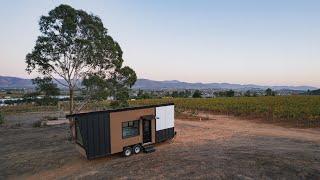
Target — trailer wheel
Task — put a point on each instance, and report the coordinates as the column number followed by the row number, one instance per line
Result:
column 127, row 151
column 137, row 149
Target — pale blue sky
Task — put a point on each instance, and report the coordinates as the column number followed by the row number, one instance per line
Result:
column 274, row 42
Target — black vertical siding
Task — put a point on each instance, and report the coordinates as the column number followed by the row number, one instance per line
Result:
column 96, row 137
column 95, row 131
column 164, row 134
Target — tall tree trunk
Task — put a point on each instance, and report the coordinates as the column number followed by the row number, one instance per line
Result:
column 71, row 121
column 71, row 100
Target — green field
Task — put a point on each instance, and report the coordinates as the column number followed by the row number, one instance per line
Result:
column 297, row 110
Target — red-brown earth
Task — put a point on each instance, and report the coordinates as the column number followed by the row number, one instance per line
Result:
column 221, row 147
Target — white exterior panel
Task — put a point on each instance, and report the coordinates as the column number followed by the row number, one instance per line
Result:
column 169, row 116
column 160, row 118
column 164, row 117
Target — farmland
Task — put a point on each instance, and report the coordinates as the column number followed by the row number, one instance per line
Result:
column 297, row 111
column 222, row 147
column 211, row 142
column 301, row 111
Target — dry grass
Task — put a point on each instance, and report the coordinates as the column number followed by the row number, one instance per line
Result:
column 221, row 148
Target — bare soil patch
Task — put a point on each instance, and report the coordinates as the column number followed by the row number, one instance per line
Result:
column 222, row 148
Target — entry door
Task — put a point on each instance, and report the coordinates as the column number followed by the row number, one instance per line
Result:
column 146, row 131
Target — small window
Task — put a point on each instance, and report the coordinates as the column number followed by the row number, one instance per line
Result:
column 130, row 129
column 78, row 135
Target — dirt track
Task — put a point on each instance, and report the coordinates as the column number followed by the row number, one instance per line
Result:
column 223, row 147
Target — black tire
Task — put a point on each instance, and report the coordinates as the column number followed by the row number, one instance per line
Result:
column 137, row 148
column 127, row 151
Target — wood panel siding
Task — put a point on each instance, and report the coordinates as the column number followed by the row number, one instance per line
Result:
column 116, row 120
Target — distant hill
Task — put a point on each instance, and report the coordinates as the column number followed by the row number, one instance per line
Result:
column 150, row 84
column 14, row 82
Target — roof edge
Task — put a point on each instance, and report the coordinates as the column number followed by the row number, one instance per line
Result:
column 120, row 109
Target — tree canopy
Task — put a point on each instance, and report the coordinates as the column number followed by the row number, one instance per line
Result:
column 75, row 46
column 197, row 94
column 269, row 92
column 46, row 86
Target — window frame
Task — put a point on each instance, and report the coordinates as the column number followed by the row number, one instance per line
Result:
column 127, row 124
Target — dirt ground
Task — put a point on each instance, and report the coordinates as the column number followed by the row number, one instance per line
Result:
column 220, row 147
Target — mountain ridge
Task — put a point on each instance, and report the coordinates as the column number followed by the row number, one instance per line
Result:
column 174, row 84
column 147, row 84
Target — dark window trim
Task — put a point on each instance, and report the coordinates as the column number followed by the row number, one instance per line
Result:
column 131, row 135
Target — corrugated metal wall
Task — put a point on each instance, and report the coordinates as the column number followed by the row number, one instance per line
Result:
column 95, row 130
column 164, row 134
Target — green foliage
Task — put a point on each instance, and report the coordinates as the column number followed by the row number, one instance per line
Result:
column 185, row 94
column 118, row 104
column 120, row 83
column 175, row 94
column 143, row 95
column 229, row 93
column 72, row 40
column 98, row 87
column 247, row 93
column 121, row 98
column 314, row 92
column 269, row 92
column 75, row 45
column 46, row 86
column 196, row 94
column 181, row 94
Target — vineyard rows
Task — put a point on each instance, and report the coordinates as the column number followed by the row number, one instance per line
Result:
column 301, row 110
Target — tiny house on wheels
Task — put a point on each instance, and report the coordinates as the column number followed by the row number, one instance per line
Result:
column 127, row 130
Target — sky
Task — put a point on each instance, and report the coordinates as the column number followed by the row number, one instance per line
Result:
column 274, row 42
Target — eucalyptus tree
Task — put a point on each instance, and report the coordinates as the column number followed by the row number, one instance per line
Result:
column 46, row 86
column 75, row 46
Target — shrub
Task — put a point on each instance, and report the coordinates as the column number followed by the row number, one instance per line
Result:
column 37, row 124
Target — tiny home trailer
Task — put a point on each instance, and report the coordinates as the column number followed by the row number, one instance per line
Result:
column 128, row 130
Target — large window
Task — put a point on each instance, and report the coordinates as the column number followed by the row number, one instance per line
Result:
column 130, row 129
